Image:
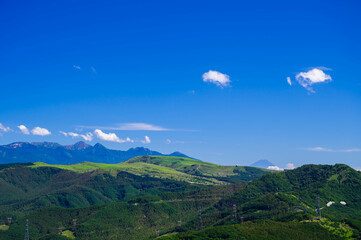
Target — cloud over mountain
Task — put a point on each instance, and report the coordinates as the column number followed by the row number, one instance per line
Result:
column 110, row 137
column 40, row 131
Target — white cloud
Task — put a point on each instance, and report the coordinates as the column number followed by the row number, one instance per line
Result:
column 146, row 140
column 87, row 137
column 168, row 141
column 93, row 69
column 321, row 149
column 40, row 131
column 64, row 133
column 4, row 129
column 290, row 166
column 110, row 137
column 313, row 76
column 77, row 67
column 24, row 129
column 289, row 81
column 277, row 168
column 217, row 78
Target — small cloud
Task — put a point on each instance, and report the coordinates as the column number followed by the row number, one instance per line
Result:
column 93, row 70
column 168, row 141
column 40, row 131
column 277, row 168
column 87, row 137
column 77, row 67
column 64, row 133
column 290, row 166
column 321, row 149
column 313, row 76
column 146, row 140
column 24, row 129
column 289, row 81
column 220, row 79
column 110, row 137
column 192, row 92
column 4, row 129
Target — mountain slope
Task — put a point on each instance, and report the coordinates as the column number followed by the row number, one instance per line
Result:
column 54, row 153
column 29, row 186
column 270, row 206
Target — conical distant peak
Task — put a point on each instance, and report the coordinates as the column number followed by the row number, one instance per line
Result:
column 80, row 145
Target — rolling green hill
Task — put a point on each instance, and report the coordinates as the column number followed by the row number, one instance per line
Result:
column 156, row 195
column 24, row 187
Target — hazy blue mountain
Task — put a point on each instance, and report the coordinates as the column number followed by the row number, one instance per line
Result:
column 262, row 164
column 54, row 153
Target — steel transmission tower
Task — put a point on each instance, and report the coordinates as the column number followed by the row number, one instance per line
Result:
column 200, row 219
column 318, row 207
column 27, row 237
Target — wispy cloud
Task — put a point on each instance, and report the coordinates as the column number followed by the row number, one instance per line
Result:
column 131, row 127
column 40, row 131
column 110, row 137
column 24, row 129
column 4, row 129
column 77, row 67
column 313, row 76
column 168, row 141
column 87, row 137
column 289, row 81
column 322, row 149
column 146, row 140
column 93, row 70
column 218, row 78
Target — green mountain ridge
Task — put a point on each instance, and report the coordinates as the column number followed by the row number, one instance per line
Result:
column 152, row 196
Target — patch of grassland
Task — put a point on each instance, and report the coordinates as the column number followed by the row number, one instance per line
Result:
column 4, row 227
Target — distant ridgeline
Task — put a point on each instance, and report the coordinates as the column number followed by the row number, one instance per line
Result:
column 54, row 153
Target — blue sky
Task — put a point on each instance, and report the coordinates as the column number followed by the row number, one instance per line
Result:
column 123, row 70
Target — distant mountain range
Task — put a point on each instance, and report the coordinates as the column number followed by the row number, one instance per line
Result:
column 54, row 153
column 262, row 164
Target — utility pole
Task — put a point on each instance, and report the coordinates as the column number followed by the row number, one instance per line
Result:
column 27, row 237
column 242, row 218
